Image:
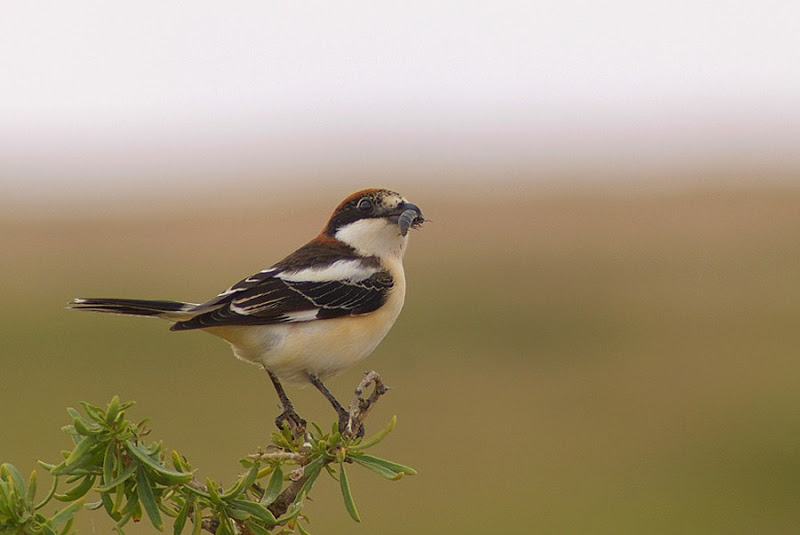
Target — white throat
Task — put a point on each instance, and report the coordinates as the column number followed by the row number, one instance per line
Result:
column 374, row 237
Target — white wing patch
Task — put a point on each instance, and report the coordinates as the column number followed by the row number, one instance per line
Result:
column 306, row 315
column 341, row 270
column 242, row 285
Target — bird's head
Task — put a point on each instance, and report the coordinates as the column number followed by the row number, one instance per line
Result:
column 374, row 222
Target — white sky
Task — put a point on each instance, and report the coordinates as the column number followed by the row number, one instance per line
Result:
column 105, row 92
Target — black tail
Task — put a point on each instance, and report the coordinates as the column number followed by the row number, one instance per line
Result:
column 133, row 307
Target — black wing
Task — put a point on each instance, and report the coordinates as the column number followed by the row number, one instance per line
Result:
column 266, row 298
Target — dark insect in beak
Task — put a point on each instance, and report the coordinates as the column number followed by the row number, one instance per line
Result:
column 410, row 217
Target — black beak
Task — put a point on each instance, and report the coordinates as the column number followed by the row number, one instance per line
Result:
column 408, row 216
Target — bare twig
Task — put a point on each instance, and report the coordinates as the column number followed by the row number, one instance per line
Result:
column 195, row 484
column 279, row 456
column 210, row 524
column 287, row 497
column 360, row 407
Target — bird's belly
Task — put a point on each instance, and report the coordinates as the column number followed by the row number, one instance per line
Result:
column 320, row 347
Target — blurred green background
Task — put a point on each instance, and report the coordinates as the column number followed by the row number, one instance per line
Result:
column 602, row 324
column 611, row 360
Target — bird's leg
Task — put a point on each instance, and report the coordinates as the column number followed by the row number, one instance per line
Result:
column 317, row 382
column 344, row 414
column 296, row 424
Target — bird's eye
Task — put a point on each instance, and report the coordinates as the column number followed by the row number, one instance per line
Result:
column 365, row 205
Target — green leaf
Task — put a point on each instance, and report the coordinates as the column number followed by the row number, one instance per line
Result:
column 95, row 413
column 251, row 477
column 180, row 520
column 255, row 509
column 379, row 469
column 47, row 466
column 311, row 471
column 255, row 527
column 197, row 520
column 213, row 494
column 331, row 472
column 279, row 440
column 292, row 512
column 67, row 527
column 148, row 499
column 124, row 519
column 119, row 496
column 65, row 514
column 120, row 419
column 242, row 484
column 153, row 450
column 364, row 460
column 77, row 491
column 225, row 526
column 197, row 492
column 7, row 498
column 31, row 487
column 237, row 514
column 377, row 437
column 171, row 475
column 77, row 476
column 109, row 463
column 108, row 505
column 14, row 476
column 79, row 456
column 82, row 427
column 132, row 507
column 349, row 504
column 179, row 462
column 273, row 486
column 7, row 495
column 169, row 502
column 302, row 530
column 112, row 410
column 121, row 478
column 94, row 505
column 49, row 495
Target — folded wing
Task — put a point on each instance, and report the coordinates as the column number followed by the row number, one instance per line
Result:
column 281, row 296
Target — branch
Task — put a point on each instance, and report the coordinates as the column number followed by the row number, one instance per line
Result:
column 358, row 411
column 287, row 497
column 112, row 457
column 360, row 407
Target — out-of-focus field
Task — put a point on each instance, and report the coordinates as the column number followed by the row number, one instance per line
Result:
column 602, row 362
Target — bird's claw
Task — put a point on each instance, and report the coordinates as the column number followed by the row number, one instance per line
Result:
column 345, row 423
column 296, row 424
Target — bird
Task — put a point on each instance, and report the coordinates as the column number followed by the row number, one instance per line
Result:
column 313, row 314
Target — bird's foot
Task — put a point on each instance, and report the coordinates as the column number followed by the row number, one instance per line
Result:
column 297, row 425
column 346, row 425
